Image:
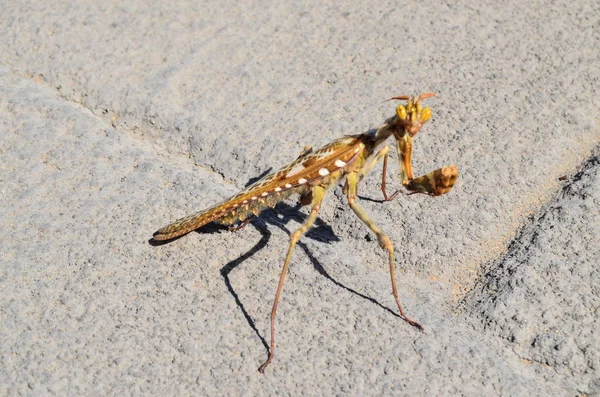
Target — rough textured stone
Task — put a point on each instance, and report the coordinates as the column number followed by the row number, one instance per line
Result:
column 118, row 118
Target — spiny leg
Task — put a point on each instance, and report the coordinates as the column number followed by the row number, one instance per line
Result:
column 434, row 183
column 384, row 241
column 318, row 193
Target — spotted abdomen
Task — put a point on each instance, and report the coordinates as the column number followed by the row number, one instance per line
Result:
column 228, row 212
column 298, row 177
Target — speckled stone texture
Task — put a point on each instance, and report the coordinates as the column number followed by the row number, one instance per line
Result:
column 117, row 118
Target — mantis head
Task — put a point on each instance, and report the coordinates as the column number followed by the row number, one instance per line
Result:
column 412, row 116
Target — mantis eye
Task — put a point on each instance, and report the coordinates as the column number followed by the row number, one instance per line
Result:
column 426, row 115
column 401, row 112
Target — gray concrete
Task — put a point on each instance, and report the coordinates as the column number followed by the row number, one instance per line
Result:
column 116, row 119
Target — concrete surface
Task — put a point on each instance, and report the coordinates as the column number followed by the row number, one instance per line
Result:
column 117, row 118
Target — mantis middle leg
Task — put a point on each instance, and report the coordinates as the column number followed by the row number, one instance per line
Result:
column 352, row 180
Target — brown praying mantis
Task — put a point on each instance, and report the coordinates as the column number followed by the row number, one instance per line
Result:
column 314, row 172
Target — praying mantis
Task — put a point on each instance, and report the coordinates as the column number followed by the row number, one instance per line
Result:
column 351, row 158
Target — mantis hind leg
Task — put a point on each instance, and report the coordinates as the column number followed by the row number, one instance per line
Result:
column 352, row 180
column 318, row 193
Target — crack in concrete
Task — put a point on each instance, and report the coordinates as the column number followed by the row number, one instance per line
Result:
column 134, row 133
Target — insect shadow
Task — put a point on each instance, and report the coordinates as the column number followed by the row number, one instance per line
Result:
column 279, row 217
column 365, row 198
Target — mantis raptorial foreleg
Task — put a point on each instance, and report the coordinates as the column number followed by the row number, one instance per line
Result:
column 352, row 180
column 434, row 183
column 318, row 193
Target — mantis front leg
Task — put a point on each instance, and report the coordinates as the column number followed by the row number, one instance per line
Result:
column 352, row 180
column 434, row 183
